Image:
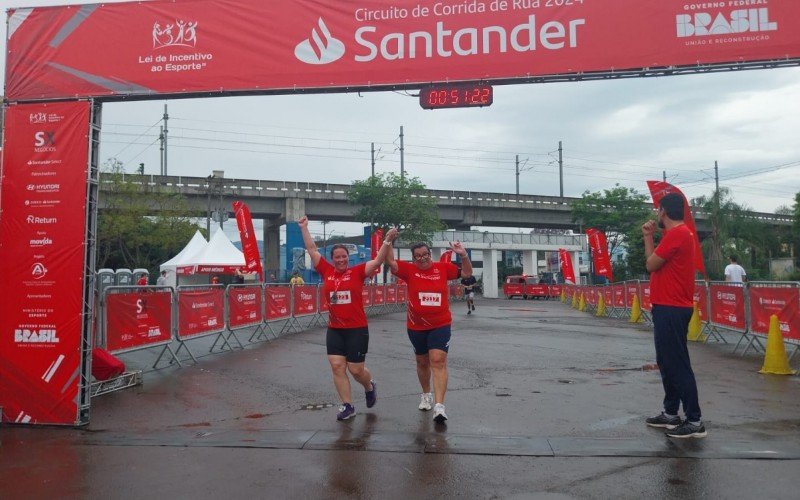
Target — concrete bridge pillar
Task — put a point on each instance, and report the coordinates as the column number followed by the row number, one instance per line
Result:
column 529, row 262
column 272, row 248
column 576, row 266
column 295, row 248
column 490, row 258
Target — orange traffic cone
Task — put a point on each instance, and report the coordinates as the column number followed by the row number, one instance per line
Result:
column 775, row 360
column 582, row 303
column 601, row 306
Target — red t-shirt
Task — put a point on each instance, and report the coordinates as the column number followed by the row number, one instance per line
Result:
column 673, row 283
column 142, row 281
column 427, row 294
column 347, row 310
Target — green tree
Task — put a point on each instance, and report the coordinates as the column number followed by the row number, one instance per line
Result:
column 389, row 200
column 734, row 232
column 619, row 212
column 138, row 226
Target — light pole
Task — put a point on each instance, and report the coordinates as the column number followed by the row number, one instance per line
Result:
column 208, row 205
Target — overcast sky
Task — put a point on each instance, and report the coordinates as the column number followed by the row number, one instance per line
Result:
column 624, row 131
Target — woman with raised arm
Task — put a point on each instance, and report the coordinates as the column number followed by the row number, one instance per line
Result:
column 348, row 335
column 429, row 319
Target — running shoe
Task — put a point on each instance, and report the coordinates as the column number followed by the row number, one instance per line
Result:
column 664, row 421
column 469, row 311
column 346, row 411
column 687, row 430
column 473, row 307
column 426, row 401
column 371, row 396
column 439, row 416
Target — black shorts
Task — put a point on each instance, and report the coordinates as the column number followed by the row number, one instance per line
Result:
column 352, row 343
column 425, row 340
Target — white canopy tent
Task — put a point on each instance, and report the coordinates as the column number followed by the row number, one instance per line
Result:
column 219, row 256
column 195, row 247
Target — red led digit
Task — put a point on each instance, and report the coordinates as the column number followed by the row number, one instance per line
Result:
column 455, row 95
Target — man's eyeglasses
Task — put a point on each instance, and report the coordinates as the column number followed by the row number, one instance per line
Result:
column 422, row 256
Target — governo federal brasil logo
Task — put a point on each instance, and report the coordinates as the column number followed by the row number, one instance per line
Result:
column 321, row 48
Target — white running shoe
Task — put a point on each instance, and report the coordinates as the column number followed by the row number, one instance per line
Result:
column 439, row 416
column 425, row 401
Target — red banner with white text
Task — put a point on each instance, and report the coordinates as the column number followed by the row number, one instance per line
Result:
column 567, row 271
column 138, row 320
column 244, row 306
column 279, row 300
column 600, row 258
column 727, row 306
column 45, row 161
column 200, row 312
column 366, row 295
column 646, row 304
column 244, row 221
column 180, row 47
column 701, row 296
column 783, row 302
column 378, row 295
column 305, row 300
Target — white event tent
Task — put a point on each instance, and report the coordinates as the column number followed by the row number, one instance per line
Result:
column 195, row 247
column 220, row 256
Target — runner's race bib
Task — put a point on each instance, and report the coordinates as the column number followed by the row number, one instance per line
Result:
column 342, row 297
column 430, row 299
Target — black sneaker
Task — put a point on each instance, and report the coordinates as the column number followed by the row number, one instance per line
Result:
column 687, row 430
column 473, row 307
column 663, row 421
column 371, row 396
column 469, row 311
column 346, row 411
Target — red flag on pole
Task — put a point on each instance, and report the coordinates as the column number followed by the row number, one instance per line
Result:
column 244, row 221
column 599, row 246
column 566, row 266
column 659, row 189
column 376, row 240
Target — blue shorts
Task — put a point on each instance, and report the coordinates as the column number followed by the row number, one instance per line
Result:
column 425, row 340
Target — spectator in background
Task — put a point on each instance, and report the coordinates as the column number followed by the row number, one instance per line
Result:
column 272, row 278
column 143, row 280
column 162, row 280
column 734, row 272
column 215, row 280
column 296, row 279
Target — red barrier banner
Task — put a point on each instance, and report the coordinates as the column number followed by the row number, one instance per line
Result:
column 591, row 296
column 783, row 302
column 244, row 306
column 305, row 300
column 618, row 292
column 727, row 306
column 137, row 320
column 248, row 45
column 510, row 289
column 659, row 189
column 391, row 294
column 555, row 290
column 42, row 251
column 378, row 295
column 244, row 222
column 536, row 290
column 402, row 293
column 278, row 302
column 325, row 302
column 608, row 296
column 646, row 304
column 366, row 294
column 631, row 291
column 701, row 296
column 200, row 312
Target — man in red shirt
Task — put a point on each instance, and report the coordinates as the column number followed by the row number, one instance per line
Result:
column 142, row 280
column 428, row 319
column 671, row 268
column 347, row 337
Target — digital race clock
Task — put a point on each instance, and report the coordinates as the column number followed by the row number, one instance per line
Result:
column 456, row 95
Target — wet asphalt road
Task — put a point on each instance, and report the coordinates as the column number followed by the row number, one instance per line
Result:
column 544, row 402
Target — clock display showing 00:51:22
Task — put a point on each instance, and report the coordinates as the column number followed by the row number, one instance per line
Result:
column 455, row 96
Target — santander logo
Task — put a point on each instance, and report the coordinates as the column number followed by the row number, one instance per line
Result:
column 321, row 48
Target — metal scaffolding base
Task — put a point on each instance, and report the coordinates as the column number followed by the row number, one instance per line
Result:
column 127, row 379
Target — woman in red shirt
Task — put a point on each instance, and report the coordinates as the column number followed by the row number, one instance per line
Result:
column 428, row 319
column 348, row 336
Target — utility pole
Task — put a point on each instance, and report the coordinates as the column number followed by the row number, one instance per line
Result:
column 161, row 150
column 716, row 181
column 373, row 159
column 664, row 175
column 402, row 165
column 517, row 175
column 561, row 169
column 166, row 132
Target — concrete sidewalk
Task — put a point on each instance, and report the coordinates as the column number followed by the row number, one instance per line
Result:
column 544, row 401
